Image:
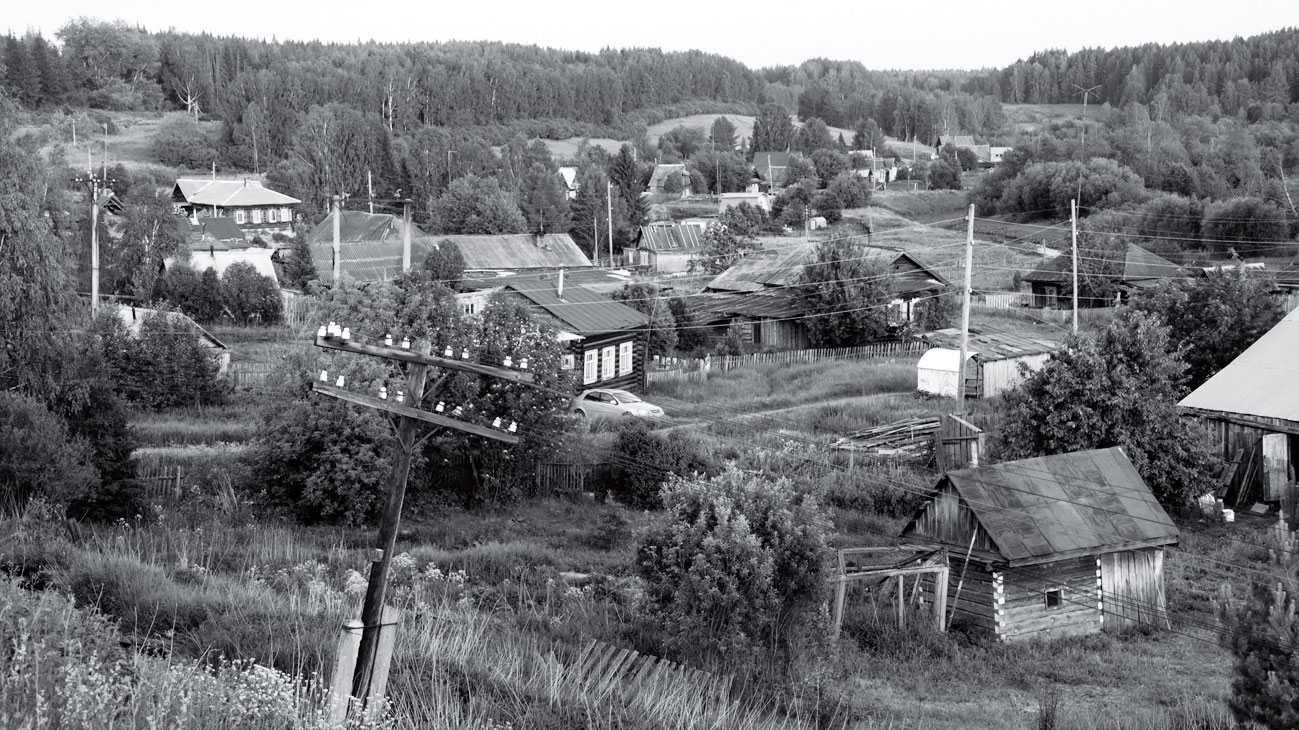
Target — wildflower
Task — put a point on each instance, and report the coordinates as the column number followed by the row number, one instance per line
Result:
column 354, row 583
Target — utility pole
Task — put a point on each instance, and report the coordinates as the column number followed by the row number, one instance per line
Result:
column 1073, row 226
column 608, row 201
column 105, row 150
column 965, row 314
column 407, row 418
column 338, row 239
column 1085, row 93
column 369, row 188
column 405, row 234
column 95, row 185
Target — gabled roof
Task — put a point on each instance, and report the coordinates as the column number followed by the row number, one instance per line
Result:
column 782, row 268
column 569, row 175
column 369, row 246
column 1052, row 271
column 773, row 161
column 773, row 304
column 519, row 251
column 1139, row 265
column 580, row 310
column 671, row 238
column 227, row 193
column 219, row 232
column 959, row 140
column 1262, row 381
column 663, row 172
column 132, row 317
column 1067, row 505
column 221, row 258
column 1288, row 278
column 989, row 344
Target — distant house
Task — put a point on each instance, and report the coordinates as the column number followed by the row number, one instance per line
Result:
column 879, row 170
column 257, row 210
column 1251, row 408
column 218, row 243
column 659, row 182
column 569, row 176
column 370, row 249
column 997, row 154
column 770, row 167
column 606, row 340
column 666, row 248
column 132, row 317
column 1048, row 547
column 1140, row 269
column 760, row 294
column 993, row 366
column 964, row 141
column 730, row 200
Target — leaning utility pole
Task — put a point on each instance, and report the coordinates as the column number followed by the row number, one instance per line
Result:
column 965, row 315
column 407, row 417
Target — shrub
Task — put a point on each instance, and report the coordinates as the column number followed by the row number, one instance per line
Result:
column 740, row 564
column 645, row 460
column 38, row 457
column 249, row 297
column 165, row 365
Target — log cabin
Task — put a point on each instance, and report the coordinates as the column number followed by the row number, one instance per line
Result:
column 1052, row 546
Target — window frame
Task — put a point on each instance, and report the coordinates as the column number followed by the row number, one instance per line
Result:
column 626, row 357
column 608, row 355
column 590, row 366
column 1053, row 598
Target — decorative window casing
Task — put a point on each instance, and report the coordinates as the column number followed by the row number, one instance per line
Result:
column 606, row 368
column 590, row 366
column 568, row 362
column 257, row 215
column 272, row 215
column 626, row 352
column 239, row 217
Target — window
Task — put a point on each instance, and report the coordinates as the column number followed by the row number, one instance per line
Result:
column 467, row 307
column 286, row 215
column 590, row 366
column 568, row 362
column 1054, row 597
column 625, row 355
column 271, row 215
column 606, row 368
column 257, row 215
column 239, row 217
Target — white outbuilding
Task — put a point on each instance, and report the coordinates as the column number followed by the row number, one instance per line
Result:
column 993, row 366
column 936, row 373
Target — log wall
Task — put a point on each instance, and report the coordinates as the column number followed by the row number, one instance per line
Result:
column 1132, row 584
column 1023, row 611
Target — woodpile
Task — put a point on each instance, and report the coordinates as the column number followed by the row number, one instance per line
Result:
column 904, row 440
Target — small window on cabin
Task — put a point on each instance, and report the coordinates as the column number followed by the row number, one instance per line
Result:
column 239, row 217
column 272, row 215
column 257, row 215
column 1054, row 597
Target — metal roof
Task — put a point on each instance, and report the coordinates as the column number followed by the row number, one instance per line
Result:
column 227, row 193
column 582, row 311
column 991, row 344
column 662, row 172
column 782, row 267
column 132, row 317
column 218, row 231
column 778, row 304
column 671, row 237
column 1262, row 381
column 1139, row 265
column 1051, row 507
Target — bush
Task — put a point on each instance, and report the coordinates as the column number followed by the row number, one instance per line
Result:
column 165, row 365
column 38, row 457
column 181, row 143
column 645, row 460
column 249, row 297
column 740, row 564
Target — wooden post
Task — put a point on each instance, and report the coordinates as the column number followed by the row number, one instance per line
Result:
column 374, row 702
column 902, row 604
column 372, row 609
column 840, row 595
column 940, row 598
column 965, row 315
column 338, row 235
column 340, row 687
column 405, row 236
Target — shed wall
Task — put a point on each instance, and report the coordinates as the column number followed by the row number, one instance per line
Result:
column 1001, row 375
column 669, row 262
column 974, row 606
column 945, row 520
column 1024, row 612
column 1132, row 589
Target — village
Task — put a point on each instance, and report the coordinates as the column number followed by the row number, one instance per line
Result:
column 754, row 413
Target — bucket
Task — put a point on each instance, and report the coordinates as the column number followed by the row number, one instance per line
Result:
column 1229, row 515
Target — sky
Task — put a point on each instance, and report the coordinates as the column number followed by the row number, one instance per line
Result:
column 912, row 34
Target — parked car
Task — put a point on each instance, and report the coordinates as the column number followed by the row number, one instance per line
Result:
column 600, row 402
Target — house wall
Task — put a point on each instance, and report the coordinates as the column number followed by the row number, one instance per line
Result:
column 1132, row 589
column 1001, row 375
column 633, row 381
column 1047, row 295
column 1024, row 613
column 670, row 262
column 972, row 595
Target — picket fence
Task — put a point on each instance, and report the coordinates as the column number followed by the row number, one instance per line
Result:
column 999, row 300
column 249, row 374
column 679, row 368
column 162, row 482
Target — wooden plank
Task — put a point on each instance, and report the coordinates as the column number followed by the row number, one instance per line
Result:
column 420, row 415
column 413, row 357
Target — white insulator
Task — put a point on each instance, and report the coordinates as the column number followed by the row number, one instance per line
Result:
column 405, row 343
column 496, row 423
column 509, row 362
column 339, row 382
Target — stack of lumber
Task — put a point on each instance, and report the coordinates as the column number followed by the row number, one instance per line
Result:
column 911, row 438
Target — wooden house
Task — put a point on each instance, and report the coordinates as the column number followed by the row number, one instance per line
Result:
column 218, row 244
column 606, row 339
column 993, row 365
column 666, row 248
column 1048, row 547
column 669, row 180
column 132, row 317
column 770, row 168
column 1251, row 408
column 257, row 210
column 1052, row 283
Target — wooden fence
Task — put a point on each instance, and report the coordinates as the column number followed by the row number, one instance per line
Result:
column 162, row 482
column 249, row 374
column 1000, row 300
column 673, row 368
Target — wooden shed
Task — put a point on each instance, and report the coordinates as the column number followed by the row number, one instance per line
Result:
column 1051, row 546
column 997, row 357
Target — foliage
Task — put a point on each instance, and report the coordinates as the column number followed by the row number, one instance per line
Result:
column 38, row 457
column 772, row 129
column 722, row 247
column 690, row 336
column 722, row 171
column 476, row 205
column 1212, row 319
column 722, row 135
column 944, row 175
column 645, row 298
column 299, row 269
column 1118, row 387
column 934, row 312
column 444, row 264
column 845, row 294
column 543, row 198
column 1248, row 226
column 812, row 136
column 1044, row 189
column 180, row 142
column 646, row 460
column 149, row 235
column 163, row 364
column 740, row 565
column 249, row 297
column 852, row 190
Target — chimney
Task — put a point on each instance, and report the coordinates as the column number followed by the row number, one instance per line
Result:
column 559, row 289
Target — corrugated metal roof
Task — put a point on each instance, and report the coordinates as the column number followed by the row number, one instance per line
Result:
column 219, row 259
column 228, row 193
column 1139, row 265
column 671, row 237
column 132, row 317
column 1041, row 509
column 991, row 344
column 661, row 174
column 782, row 267
column 219, row 231
column 779, row 304
column 371, row 248
column 1262, row 381
column 584, row 312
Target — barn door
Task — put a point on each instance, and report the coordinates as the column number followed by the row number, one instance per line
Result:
column 1132, row 589
column 1276, row 466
